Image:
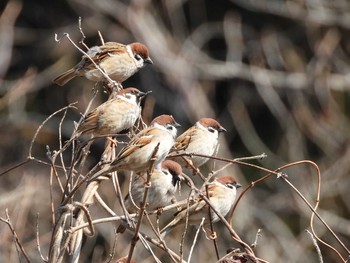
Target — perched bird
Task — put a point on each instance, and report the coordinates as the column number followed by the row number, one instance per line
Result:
column 162, row 190
column 118, row 61
column 222, row 195
column 202, row 138
column 137, row 154
column 113, row 116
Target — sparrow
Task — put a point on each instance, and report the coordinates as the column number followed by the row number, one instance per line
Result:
column 162, row 190
column 113, row 116
column 202, row 138
column 137, row 154
column 222, row 194
column 118, row 61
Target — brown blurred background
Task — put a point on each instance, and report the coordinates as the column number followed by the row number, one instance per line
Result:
column 274, row 73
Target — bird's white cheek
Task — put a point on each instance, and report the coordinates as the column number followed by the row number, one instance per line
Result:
column 173, row 132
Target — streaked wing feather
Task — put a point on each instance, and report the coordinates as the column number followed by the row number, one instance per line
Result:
column 90, row 123
column 99, row 53
column 134, row 144
column 184, row 139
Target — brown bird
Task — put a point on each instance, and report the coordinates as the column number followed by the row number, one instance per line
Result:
column 202, row 138
column 162, row 190
column 113, row 116
column 137, row 154
column 118, row 61
column 222, row 194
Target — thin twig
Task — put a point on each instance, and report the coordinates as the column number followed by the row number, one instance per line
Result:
column 314, row 242
column 156, row 231
column 318, row 216
column 38, row 239
column 60, row 142
column 113, row 83
column 143, row 204
column 16, row 239
column 29, row 159
column 195, row 240
column 258, row 234
column 118, row 218
column 186, row 225
column 82, row 34
column 70, row 106
column 213, row 235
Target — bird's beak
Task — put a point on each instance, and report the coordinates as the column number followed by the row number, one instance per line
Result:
column 222, row 129
column 148, row 60
column 143, row 94
column 177, row 125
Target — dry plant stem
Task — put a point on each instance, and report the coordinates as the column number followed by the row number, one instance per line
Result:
column 101, row 38
column 60, row 143
column 54, row 172
column 16, row 239
column 38, row 239
column 314, row 242
column 57, row 236
column 156, row 231
column 252, row 184
column 234, row 235
column 71, row 187
column 70, row 106
column 258, row 234
column 323, row 222
column 195, row 240
column 74, row 135
column 52, row 205
column 112, row 253
column 211, row 226
column 86, row 199
column 161, row 246
column 82, row 34
column 85, row 209
column 144, row 241
column 143, row 204
column 190, row 164
column 29, row 159
column 313, row 209
column 186, row 225
column 112, row 82
column 118, row 192
column 130, row 195
column 118, row 218
column 85, row 153
column 99, row 200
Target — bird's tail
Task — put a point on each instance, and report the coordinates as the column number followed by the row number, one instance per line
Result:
column 65, row 77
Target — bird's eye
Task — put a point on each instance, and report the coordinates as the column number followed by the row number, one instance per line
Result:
column 138, row 57
column 211, row 129
column 230, row 186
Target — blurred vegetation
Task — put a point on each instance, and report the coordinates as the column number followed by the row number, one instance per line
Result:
column 274, row 73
